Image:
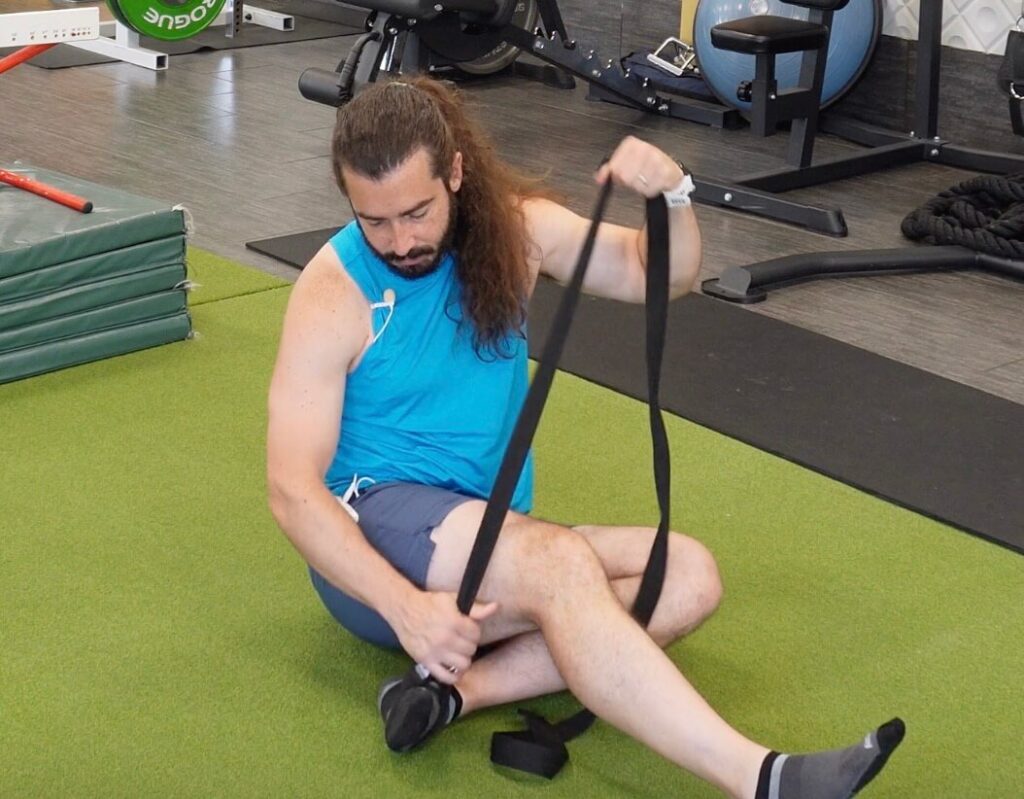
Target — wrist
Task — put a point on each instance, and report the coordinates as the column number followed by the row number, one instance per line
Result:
column 398, row 601
column 679, row 196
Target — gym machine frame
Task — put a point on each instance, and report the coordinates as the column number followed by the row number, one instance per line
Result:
column 397, row 27
column 407, row 36
column 750, row 283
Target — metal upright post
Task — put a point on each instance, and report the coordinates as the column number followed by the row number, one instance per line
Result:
column 234, row 20
column 929, row 60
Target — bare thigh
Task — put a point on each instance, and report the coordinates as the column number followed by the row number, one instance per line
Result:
column 691, row 587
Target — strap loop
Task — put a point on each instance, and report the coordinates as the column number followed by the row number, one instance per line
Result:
column 540, row 749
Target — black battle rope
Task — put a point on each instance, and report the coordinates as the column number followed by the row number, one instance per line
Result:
column 985, row 214
column 541, row 748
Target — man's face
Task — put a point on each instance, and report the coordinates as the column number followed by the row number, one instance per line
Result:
column 408, row 215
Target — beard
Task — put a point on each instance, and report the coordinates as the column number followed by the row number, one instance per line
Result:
column 435, row 254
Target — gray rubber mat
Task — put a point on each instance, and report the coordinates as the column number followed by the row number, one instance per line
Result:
column 932, row 445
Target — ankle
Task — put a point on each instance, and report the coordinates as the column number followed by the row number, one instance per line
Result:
column 751, row 771
column 736, row 772
column 470, row 701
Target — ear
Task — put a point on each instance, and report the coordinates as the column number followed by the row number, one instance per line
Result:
column 455, row 180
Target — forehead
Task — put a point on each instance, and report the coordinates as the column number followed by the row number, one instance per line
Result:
column 410, row 182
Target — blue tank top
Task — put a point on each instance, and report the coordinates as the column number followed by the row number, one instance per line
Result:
column 422, row 406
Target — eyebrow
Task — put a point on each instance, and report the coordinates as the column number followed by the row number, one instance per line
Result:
column 418, row 207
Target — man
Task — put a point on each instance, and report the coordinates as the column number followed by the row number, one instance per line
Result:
column 401, row 371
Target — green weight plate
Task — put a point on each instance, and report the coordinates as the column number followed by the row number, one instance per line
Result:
column 167, row 20
column 115, row 9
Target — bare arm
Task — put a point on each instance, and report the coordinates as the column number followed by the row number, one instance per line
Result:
column 325, row 330
column 618, row 265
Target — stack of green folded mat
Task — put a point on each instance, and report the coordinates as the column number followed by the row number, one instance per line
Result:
column 80, row 287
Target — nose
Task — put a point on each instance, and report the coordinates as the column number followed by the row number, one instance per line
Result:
column 403, row 238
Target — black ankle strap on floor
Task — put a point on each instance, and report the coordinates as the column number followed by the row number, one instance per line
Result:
column 540, row 749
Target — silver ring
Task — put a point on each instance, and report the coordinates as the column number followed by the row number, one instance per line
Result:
column 642, row 179
column 452, row 669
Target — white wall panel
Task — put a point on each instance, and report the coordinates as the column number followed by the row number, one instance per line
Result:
column 979, row 25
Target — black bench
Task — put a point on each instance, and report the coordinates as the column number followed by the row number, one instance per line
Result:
column 766, row 36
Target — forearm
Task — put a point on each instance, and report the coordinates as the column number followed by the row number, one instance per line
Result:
column 332, row 543
column 684, row 250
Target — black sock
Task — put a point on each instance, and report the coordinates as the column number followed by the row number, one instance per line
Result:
column 764, row 779
column 454, row 705
column 836, row 774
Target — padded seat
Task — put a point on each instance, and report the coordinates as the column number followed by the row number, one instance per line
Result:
column 768, row 34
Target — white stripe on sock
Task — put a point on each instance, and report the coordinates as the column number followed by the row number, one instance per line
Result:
column 776, row 778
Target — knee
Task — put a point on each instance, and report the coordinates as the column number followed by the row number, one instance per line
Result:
column 697, row 583
column 549, row 560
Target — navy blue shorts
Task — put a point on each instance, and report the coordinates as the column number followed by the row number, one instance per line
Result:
column 397, row 519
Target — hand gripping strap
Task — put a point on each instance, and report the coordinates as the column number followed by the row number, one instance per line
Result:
column 541, row 748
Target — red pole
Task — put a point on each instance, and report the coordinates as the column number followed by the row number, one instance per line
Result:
column 34, row 186
column 24, row 54
column 43, row 190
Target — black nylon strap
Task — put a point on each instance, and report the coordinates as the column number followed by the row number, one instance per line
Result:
column 657, row 318
column 540, row 749
column 526, row 424
column 529, row 416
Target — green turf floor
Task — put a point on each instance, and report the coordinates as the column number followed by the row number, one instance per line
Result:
column 159, row 636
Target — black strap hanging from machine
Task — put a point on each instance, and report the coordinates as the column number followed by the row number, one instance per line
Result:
column 541, row 748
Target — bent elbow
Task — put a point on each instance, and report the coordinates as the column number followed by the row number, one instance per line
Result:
column 686, row 281
column 282, row 496
column 278, row 499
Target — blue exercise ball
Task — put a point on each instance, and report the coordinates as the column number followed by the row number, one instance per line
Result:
column 855, row 32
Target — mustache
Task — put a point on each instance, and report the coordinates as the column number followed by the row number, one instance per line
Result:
column 416, row 252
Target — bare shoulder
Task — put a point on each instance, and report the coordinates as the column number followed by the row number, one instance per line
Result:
column 327, row 316
column 325, row 327
column 325, row 282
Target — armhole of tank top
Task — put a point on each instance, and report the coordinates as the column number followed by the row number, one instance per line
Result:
column 369, row 333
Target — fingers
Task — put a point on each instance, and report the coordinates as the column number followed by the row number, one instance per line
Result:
column 441, row 673
column 450, row 669
column 481, row 611
column 640, row 166
column 451, row 641
column 453, row 655
column 464, row 645
column 468, row 627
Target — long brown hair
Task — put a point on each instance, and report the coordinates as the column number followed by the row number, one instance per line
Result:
column 388, row 122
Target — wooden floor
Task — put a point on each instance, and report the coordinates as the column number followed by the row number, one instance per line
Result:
column 227, row 134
